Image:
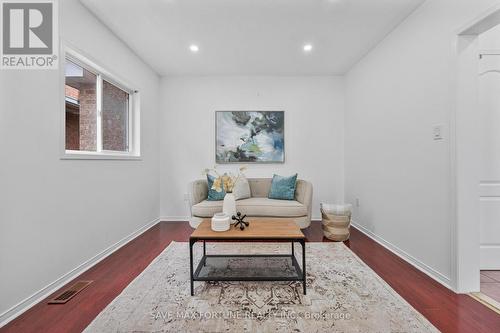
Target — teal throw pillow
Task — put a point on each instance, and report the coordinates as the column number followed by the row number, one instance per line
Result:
column 283, row 188
column 213, row 195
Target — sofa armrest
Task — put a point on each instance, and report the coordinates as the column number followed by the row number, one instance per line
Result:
column 198, row 191
column 304, row 194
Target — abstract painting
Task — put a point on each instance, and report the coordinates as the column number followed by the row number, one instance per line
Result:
column 250, row 136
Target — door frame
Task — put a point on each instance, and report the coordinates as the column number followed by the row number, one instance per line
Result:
column 466, row 158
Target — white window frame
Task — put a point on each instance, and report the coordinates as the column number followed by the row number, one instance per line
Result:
column 133, row 133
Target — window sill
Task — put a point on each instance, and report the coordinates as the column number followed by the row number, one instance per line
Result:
column 83, row 155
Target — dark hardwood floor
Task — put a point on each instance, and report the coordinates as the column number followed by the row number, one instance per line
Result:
column 448, row 311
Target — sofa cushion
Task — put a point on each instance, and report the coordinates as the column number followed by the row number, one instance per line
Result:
column 271, row 207
column 259, row 187
column 207, row 208
column 254, row 207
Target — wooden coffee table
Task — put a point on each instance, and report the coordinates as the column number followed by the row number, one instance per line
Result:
column 260, row 229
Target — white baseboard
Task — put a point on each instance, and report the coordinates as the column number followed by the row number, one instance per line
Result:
column 175, row 218
column 490, row 257
column 43, row 293
column 187, row 218
column 434, row 274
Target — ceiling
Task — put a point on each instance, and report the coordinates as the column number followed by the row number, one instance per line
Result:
column 251, row 37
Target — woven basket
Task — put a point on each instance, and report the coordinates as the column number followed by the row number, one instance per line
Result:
column 336, row 227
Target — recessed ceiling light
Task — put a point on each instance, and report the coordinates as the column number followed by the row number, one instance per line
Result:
column 308, row 48
column 194, row 48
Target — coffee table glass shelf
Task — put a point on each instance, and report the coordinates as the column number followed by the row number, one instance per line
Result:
column 250, row 267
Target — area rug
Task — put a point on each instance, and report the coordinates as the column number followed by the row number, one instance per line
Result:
column 343, row 295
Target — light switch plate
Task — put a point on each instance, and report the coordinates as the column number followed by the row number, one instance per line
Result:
column 437, row 132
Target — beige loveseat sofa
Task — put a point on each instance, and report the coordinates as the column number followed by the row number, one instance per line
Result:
column 258, row 205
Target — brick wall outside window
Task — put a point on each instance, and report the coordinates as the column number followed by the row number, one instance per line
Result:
column 88, row 118
column 72, row 93
column 114, row 118
column 72, row 127
column 81, row 112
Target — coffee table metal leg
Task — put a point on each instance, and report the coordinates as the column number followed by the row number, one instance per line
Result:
column 303, row 243
column 191, row 242
column 204, row 254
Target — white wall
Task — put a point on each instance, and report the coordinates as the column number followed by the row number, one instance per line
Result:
column 314, row 116
column 56, row 214
column 489, row 111
column 400, row 174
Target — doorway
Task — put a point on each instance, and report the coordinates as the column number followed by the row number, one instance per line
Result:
column 476, row 173
column 489, row 186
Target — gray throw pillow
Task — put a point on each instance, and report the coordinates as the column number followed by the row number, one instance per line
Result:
column 241, row 189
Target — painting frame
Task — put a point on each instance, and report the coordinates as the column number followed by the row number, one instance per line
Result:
column 218, row 161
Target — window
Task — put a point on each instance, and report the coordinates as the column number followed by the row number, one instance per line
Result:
column 99, row 113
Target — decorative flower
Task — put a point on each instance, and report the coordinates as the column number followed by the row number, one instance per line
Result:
column 217, row 185
column 227, row 181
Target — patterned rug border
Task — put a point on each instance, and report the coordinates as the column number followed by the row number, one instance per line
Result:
column 171, row 245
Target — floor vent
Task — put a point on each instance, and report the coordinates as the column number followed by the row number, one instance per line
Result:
column 70, row 292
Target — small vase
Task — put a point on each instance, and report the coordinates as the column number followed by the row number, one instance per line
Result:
column 221, row 222
column 229, row 206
